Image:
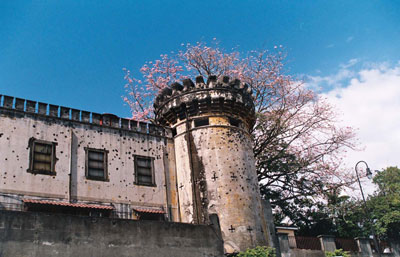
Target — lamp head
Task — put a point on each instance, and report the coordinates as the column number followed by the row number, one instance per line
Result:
column 369, row 173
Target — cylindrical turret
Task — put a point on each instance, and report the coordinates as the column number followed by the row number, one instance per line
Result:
column 214, row 159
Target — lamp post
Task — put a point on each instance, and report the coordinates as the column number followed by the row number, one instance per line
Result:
column 369, row 175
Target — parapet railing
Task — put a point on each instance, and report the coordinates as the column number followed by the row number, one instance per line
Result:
column 347, row 244
column 66, row 113
column 306, row 242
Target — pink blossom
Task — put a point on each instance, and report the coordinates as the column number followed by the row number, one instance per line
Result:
column 288, row 114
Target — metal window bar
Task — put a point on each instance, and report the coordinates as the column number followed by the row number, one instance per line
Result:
column 347, row 244
column 126, row 212
column 144, row 170
column 96, row 164
column 11, row 206
column 385, row 247
column 42, row 156
column 382, row 246
column 307, row 242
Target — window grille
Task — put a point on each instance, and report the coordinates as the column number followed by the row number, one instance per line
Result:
column 144, row 171
column 201, row 122
column 234, row 122
column 42, row 157
column 96, row 164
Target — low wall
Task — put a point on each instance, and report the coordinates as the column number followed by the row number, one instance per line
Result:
column 38, row 234
column 327, row 243
column 306, row 253
column 319, row 253
column 373, row 255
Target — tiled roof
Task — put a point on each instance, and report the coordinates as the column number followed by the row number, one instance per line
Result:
column 76, row 205
column 146, row 210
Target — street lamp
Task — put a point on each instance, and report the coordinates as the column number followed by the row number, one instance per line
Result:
column 369, row 175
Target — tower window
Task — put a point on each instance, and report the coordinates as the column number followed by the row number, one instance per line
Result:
column 42, row 157
column 201, row 122
column 234, row 122
column 96, row 164
column 144, row 171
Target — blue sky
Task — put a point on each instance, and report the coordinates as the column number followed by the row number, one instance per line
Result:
column 72, row 53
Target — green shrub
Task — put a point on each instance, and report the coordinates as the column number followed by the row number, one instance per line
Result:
column 337, row 252
column 259, row 251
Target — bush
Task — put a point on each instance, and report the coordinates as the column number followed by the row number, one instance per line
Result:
column 337, row 252
column 259, row 251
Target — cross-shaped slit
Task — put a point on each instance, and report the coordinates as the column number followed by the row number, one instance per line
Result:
column 214, row 177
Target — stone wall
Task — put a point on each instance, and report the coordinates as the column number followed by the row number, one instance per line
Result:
column 37, row 234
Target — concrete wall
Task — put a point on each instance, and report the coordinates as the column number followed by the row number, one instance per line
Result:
column 273, row 240
column 319, row 253
column 26, row 234
column 327, row 242
column 304, row 253
column 353, row 254
column 70, row 182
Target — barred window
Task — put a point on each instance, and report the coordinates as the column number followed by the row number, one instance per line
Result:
column 144, row 171
column 42, row 157
column 96, row 164
column 234, row 122
column 201, row 122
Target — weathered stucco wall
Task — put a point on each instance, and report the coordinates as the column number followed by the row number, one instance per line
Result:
column 16, row 130
column 122, row 148
column 70, row 181
column 224, row 179
column 25, row 234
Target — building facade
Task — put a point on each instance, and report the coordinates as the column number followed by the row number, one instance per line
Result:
column 195, row 163
column 57, row 159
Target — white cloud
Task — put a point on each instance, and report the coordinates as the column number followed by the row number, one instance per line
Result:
column 349, row 39
column 369, row 101
column 334, row 80
column 350, row 63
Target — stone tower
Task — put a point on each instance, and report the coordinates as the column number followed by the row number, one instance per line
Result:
column 214, row 160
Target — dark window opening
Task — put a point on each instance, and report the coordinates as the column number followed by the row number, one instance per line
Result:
column 174, row 132
column 234, row 122
column 42, row 157
column 201, row 122
column 67, row 210
column 96, row 164
column 144, row 171
column 151, row 216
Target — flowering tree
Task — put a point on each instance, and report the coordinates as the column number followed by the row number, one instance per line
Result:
column 298, row 145
column 156, row 76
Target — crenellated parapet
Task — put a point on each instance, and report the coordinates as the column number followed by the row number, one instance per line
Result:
column 75, row 115
column 217, row 95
